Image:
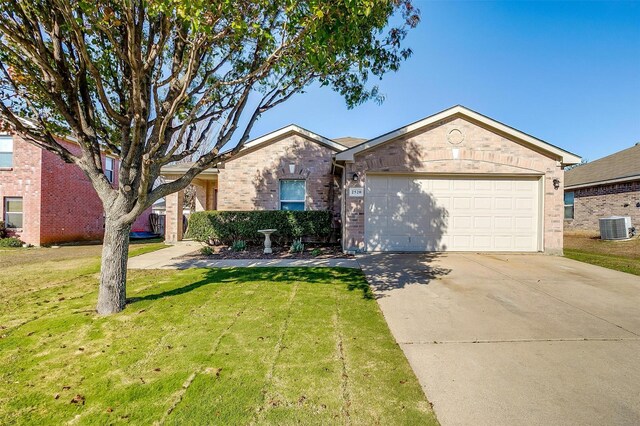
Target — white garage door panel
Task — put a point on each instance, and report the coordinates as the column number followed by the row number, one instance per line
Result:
column 405, row 213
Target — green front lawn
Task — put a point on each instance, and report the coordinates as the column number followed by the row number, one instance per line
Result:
column 619, row 263
column 70, row 254
column 224, row 346
column 619, row 255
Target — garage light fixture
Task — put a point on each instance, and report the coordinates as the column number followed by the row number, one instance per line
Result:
column 355, row 177
column 556, row 183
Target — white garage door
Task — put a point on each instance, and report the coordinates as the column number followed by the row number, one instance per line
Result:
column 404, row 213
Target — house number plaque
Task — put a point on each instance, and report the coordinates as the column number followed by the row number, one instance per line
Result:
column 356, row 192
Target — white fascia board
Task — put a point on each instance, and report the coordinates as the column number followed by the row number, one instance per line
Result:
column 178, row 168
column 566, row 157
column 294, row 129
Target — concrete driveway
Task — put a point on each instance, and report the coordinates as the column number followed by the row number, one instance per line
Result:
column 515, row 339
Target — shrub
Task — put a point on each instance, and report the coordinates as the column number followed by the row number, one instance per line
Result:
column 3, row 230
column 296, row 247
column 228, row 226
column 11, row 242
column 239, row 245
column 206, row 251
column 316, row 252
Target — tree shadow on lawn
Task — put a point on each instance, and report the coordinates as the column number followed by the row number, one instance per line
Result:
column 353, row 278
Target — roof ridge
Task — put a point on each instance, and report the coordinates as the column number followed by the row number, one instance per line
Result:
column 635, row 146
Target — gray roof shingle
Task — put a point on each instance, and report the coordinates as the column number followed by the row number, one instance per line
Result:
column 622, row 164
column 349, row 141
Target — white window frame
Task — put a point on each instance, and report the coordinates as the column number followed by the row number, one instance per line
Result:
column 7, row 212
column 10, row 139
column 109, row 172
column 303, row 201
column 572, row 205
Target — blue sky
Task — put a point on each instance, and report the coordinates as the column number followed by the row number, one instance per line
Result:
column 565, row 72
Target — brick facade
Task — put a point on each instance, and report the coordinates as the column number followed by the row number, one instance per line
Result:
column 598, row 201
column 252, row 180
column 24, row 180
column 59, row 202
column 480, row 152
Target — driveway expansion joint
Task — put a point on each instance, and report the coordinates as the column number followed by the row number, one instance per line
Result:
column 557, row 364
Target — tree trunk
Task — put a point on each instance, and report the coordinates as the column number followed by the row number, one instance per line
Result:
column 113, row 273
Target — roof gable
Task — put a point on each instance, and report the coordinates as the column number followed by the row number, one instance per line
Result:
column 564, row 156
column 256, row 144
column 289, row 130
column 622, row 165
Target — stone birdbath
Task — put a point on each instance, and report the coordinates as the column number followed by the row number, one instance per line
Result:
column 267, row 239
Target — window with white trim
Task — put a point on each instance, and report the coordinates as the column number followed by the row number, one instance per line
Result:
column 569, row 205
column 108, row 168
column 292, row 194
column 6, row 152
column 13, row 212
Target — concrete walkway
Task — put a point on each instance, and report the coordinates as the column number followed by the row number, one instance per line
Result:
column 171, row 258
column 158, row 259
column 515, row 339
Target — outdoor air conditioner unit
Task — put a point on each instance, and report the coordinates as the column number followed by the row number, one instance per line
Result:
column 616, row 228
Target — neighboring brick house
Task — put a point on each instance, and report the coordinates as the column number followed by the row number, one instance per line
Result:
column 606, row 187
column 456, row 181
column 44, row 200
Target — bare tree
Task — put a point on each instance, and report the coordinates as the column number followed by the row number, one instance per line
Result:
column 156, row 81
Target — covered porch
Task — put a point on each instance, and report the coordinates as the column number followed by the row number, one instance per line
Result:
column 206, row 198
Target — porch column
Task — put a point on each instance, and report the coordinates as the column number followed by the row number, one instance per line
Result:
column 212, row 193
column 173, row 230
column 201, row 195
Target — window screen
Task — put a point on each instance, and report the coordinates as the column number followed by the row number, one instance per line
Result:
column 108, row 168
column 292, row 194
column 6, row 151
column 568, row 205
column 13, row 212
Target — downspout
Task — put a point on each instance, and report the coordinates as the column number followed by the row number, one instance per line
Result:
column 343, row 198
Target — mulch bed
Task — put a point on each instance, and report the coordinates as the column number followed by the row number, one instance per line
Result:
column 223, row 252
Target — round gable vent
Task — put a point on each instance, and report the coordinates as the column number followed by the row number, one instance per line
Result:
column 455, row 136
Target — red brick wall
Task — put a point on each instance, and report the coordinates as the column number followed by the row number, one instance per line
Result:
column 71, row 208
column 595, row 202
column 142, row 222
column 59, row 202
column 23, row 180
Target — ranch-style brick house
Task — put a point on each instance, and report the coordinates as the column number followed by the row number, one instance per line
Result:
column 456, row 180
column 44, row 200
column 606, row 187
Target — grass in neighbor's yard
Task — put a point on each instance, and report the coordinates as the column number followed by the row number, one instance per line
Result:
column 70, row 253
column 619, row 255
column 200, row 346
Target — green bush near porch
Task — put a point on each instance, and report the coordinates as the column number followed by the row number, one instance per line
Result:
column 228, row 226
column 10, row 242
